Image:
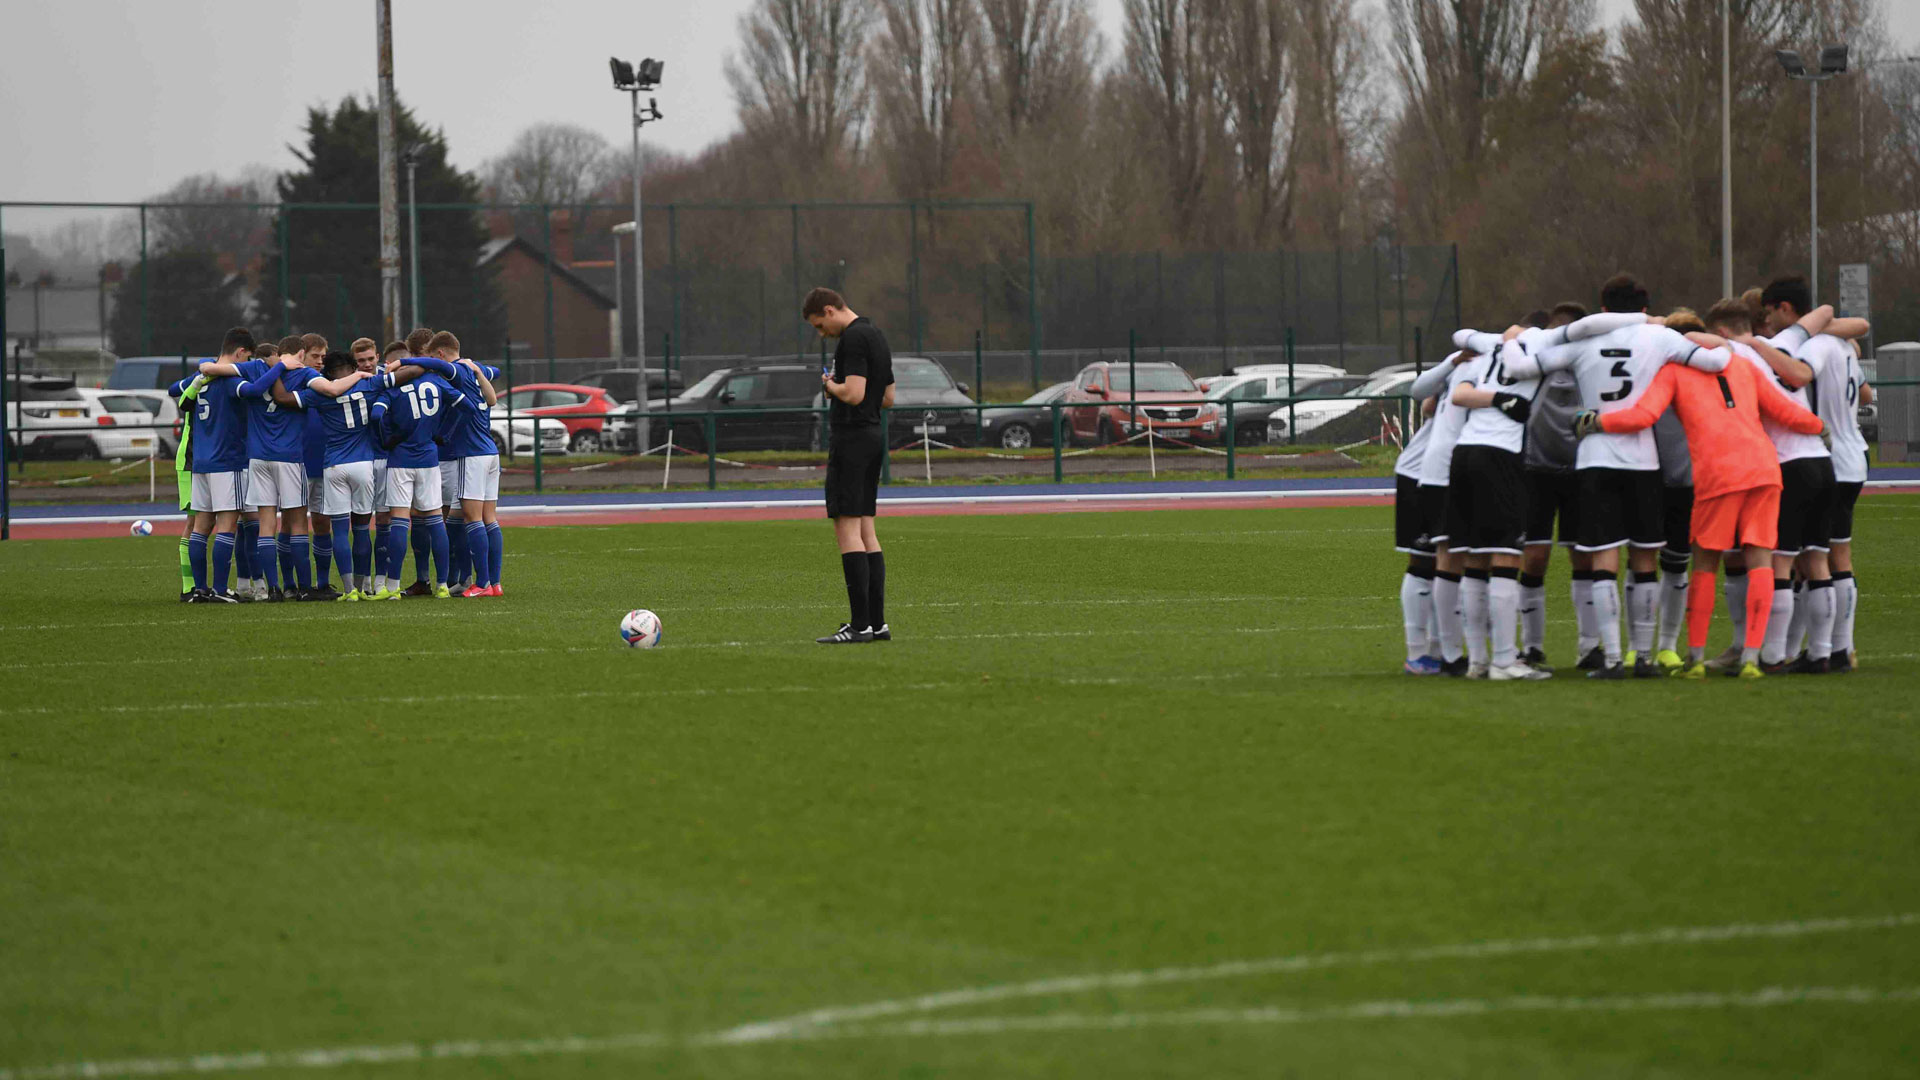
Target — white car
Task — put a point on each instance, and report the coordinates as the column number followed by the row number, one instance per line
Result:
column 553, row 435
column 123, row 425
column 1308, row 415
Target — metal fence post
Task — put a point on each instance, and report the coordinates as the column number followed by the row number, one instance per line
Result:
column 1340, row 302
column 146, row 289
column 1233, row 438
column 286, row 280
column 1058, row 437
column 1418, row 363
column 507, row 362
column 1293, row 433
column 1455, row 256
column 546, row 219
column 1033, row 305
column 6, row 494
column 713, row 453
column 913, row 276
column 979, row 389
column 1220, row 304
column 799, row 340
column 673, row 272
column 1133, row 389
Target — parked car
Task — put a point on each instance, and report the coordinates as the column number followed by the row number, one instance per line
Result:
column 149, row 372
column 1031, row 424
column 623, row 384
column 582, row 409
column 753, row 407
column 1299, row 370
column 46, row 417
column 918, row 385
column 553, row 434
column 121, row 422
column 1322, row 404
column 1266, row 394
column 1187, row 418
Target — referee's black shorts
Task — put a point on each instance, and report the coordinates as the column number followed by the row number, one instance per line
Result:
column 854, row 457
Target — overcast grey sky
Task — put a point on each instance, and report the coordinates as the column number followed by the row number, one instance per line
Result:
column 115, row 101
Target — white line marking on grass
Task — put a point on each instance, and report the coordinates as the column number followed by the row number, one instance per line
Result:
column 303, row 617
column 1241, row 969
column 1402, row 1009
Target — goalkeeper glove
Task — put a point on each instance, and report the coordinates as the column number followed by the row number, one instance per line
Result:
column 1585, row 423
column 1516, row 407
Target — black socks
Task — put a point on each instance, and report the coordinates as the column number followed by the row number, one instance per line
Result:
column 854, row 565
column 876, row 589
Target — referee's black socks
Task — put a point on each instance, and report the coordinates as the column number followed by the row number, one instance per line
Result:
column 853, row 564
column 876, row 590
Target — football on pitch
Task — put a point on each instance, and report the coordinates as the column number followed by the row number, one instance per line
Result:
column 143, row 527
column 640, row 629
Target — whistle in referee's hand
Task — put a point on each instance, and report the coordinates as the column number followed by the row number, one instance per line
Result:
column 826, row 371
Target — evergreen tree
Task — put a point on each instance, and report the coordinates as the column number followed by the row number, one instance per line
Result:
column 188, row 301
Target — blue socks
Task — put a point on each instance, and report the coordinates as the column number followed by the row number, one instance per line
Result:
column 246, row 549
column 493, row 551
column 458, row 562
column 197, row 557
column 362, row 550
column 381, row 567
column 302, row 550
column 340, row 548
column 421, row 553
column 283, row 545
column 478, row 549
column 436, row 529
column 266, row 562
column 323, row 558
column 222, row 559
column 397, row 536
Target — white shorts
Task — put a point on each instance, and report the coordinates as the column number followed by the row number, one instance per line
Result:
column 480, row 477
column 317, row 495
column 281, row 484
column 217, row 492
column 379, row 485
column 450, row 481
column 348, row 489
column 416, row 488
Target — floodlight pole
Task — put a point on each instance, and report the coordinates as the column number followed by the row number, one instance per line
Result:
column 645, row 442
column 412, row 159
column 1813, row 191
column 389, row 180
column 1726, row 151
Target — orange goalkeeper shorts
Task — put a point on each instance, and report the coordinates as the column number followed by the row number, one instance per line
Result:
column 1747, row 518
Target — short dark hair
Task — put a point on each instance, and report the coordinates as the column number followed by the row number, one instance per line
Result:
column 417, row 339
column 266, row 350
column 1567, row 311
column 443, row 340
column 336, row 363
column 291, row 344
column 819, row 300
column 238, row 339
column 393, row 347
column 1536, row 317
column 1732, row 313
column 1623, row 292
column 1792, row 291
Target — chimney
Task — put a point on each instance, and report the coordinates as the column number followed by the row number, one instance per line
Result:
column 563, row 237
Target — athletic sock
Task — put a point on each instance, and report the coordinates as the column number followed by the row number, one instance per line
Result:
column 1416, row 606
column 340, row 546
column 1673, row 605
column 283, row 550
column 1503, row 605
column 323, row 558
column 1819, row 600
column 186, row 567
column 853, row 565
column 362, row 554
column 1587, row 625
column 266, row 561
column 1846, row 597
column 1759, row 595
column 302, row 549
column 475, row 544
column 1736, row 589
column 246, row 551
column 496, row 544
column 876, row 589
column 1643, row 611
column 398, row 533
column 436, row 529
column 1474, row 615
column 380, row 573
column 1700, row 599
column 1446, row 612
column 1779, row 618
column 197, row 559
column 222, row 559
column 422, row 550
column 457, row 558
column 1533, row 610
column 1797, row 626
column 1606, row 613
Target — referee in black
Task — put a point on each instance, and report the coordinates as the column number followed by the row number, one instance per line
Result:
column 860, row 384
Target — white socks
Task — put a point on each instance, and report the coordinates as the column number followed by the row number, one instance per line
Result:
column 1473, row 611
column 1797, row 627
column 1643, row 607
column 1818, row 599
column 1416, row 611
column 1736, row 593
column 1446, row 609
column 1778, row 618
column 1606, row 614
column 1846, row 597
column 1589, row 627
column 1533, row 613
column 1673, row 607
column 1503, row 604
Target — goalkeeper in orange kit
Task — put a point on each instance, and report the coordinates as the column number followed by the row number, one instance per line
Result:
column 1735, row 475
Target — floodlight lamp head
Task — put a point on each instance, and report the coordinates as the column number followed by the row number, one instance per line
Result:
column 1833, row 59
column 649, row 73
column 1790, row 60
column 622, row 74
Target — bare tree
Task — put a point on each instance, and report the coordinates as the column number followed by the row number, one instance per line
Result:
column 1335, row 108
column 210, row 213
column 921, row 63
column 1039, row 59
column 800, row 78
column 550, row 164
column 1254, row 39
column 1168, row 70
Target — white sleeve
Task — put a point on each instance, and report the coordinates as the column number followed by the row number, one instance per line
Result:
column 1474, row 341
column 1816, row 355
column 1790, row 340
column 1605, row 322
column 1431, row 381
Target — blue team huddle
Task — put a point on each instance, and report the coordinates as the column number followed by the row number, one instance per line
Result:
column 299, row 462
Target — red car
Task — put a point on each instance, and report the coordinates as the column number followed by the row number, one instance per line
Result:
column 1191, row 420
column 582, row 409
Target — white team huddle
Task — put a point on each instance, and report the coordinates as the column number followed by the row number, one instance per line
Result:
column 1572, row 417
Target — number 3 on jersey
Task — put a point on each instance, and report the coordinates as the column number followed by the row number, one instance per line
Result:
column 1619, row 371
column 423, row 399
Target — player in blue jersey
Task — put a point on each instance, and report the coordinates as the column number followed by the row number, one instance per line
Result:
column 386, row 578
column 411, row 417
column 417, row 341
column 219, row 472
column 341, row 404
column 469, row 441
column 276, row 482
column 313, row 453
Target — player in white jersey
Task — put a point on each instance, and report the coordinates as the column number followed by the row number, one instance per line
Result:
column 1839, row 401
column 1410, row 537
column 1436, row 466
column 1619, row 475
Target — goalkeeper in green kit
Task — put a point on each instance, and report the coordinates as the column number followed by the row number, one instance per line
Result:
column 185, row 393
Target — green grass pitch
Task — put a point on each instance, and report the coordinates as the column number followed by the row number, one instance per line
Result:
column 452, row 839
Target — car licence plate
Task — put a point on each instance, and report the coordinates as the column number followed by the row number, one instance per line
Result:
column 930, row 429
column 68, row 412
column 142, row 442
